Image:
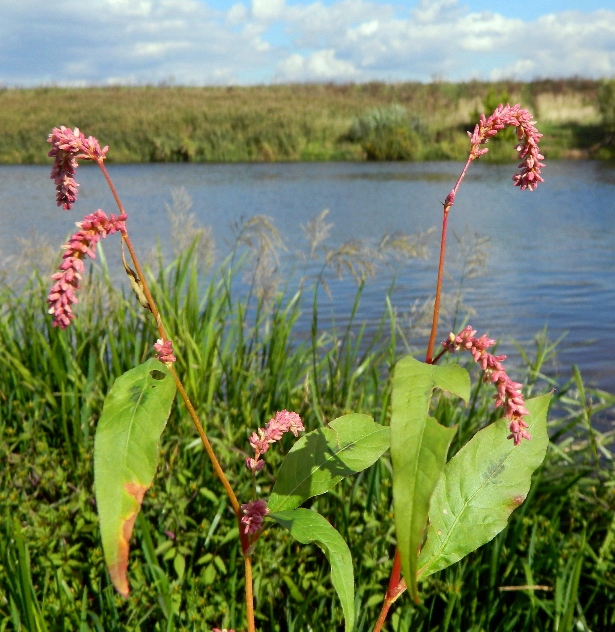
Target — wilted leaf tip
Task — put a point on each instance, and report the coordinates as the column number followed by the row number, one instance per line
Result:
column 118, row 570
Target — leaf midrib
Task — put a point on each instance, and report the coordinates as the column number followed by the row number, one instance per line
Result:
column 130, row 428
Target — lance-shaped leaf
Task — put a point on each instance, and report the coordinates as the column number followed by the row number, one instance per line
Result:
column 308, row 526
column 125, row 456
column 480, row 487
column 419, row 445
column 322, row 458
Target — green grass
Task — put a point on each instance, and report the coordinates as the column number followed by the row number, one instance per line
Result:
column 286, row 122
column 240, row 361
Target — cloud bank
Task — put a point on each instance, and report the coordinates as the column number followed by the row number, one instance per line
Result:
column 72, row 42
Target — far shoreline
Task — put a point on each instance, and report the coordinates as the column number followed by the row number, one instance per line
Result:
column 301, row 123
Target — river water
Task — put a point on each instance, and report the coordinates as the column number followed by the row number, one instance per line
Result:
column 552, row 251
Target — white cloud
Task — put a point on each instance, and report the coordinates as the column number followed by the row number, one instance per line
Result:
column 71, row 42
column 237, row 14
column 442, row 37
column 267, row 10
column 519, row 68
column 365, row 29
column 140, row 8
column 157, row 49
column 438, row 11
column 145, row 41
column 319, row 66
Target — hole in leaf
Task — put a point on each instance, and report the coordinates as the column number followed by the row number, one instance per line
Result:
column 157, row 375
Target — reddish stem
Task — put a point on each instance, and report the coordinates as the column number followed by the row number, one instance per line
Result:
column 249, row 593
column 397, row 584
column 448, row 203
column 101, row 163
column 394, row 582
column 245, row 541
column 436, row 305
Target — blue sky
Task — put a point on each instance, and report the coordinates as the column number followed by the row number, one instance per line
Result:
column 217, row 42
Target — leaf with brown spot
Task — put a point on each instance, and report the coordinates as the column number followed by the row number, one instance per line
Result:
column 480, row 487
column 125, row 457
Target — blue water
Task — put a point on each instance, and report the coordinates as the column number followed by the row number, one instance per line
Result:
column 552, row 256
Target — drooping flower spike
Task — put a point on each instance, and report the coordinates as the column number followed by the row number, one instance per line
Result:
column 68, row 146
column 508, row 392
column 92, row 229
column 528, row 135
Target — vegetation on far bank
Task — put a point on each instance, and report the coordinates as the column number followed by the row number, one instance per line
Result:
column 374, row 121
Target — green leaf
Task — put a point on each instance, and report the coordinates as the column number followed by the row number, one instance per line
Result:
column 323, row 457
column 419, row 445
column 480, row 487
column 125, row 456
column 308, row 526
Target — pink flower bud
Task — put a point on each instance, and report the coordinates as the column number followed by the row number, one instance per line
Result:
column 254, row 513
column 164, row 351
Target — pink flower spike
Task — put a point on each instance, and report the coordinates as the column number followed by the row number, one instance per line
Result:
column 259, row 442
column 508, row 392
column 254, row 513
column 282, row 422
column 164, row 351
column 512, row 116
column 222, row 630
column 82, row 243
column 67, row 146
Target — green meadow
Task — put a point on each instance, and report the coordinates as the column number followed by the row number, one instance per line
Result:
column 374, row 121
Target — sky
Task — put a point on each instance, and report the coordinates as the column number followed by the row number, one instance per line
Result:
column 218, row 42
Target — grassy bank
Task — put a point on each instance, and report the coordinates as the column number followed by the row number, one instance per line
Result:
column 241, row 362
column 296, row 122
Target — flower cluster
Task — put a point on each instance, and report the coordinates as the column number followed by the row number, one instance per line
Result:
column 164, row 351
column 528, row 135
column 260, row 441
column 222, row 630
column 509, row 392
column 93, row 228
column 67, row 146
column 254, row 513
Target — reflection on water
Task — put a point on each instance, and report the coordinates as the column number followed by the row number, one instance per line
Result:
column 552, row 259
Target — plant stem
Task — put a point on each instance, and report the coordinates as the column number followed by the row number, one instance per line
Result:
column 245, row 542
column 247, row 560
column 448, row 203
column 436, row 305
column 397, row 584
column 392, row 591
